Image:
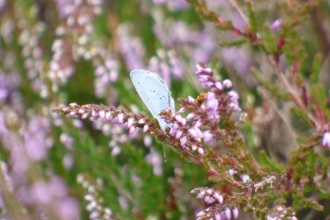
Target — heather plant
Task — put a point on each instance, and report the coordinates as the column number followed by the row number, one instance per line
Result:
column 249, row 139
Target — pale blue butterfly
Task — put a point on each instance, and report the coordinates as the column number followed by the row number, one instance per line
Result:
column 154, row 93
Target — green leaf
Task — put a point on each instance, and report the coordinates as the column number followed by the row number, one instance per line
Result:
column 269, row 41
column 300, row 114
column 270, row 86
column 237, row 43
column 317, row 62
column 319, row 95
column 252, row 19
column 271, row 165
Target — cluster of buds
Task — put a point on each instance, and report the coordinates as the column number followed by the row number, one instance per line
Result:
column 201, row 125
column 279, row 212
column 107, row 114
column 217, row 211
column 95, row 201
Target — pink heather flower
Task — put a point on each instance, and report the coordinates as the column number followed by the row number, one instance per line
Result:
column 326, row 140
column 218, row 197
column 192, row 132
column 234, row 107
column 132, row 129
column 200, row 214
column 159, row 1
column 183, row 141
column 145, row 128
column 233, row 96
column 190, row 116
column 209, row 199
column 130, row 122
column 180, row 119
column 232, row 172
column 147, row 140
column 120, row 118
column 217, row 216
column 245, row 178
column 235, row 213
column 276, row 25
column 178, row 134
column 191, row 99
column 102, row 114
column 219, row 86
column 208, row 137
column 108, row 115
column 181, row 110
column 141, row 121
column 228, row 213
column 40, row 193
column 227, row 83
column 212, row 105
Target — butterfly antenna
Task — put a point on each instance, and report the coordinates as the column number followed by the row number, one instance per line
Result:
column 164, row 152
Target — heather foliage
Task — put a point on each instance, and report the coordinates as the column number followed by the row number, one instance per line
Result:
column 250, row 137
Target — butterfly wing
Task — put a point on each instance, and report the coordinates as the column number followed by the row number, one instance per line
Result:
column 153, row 92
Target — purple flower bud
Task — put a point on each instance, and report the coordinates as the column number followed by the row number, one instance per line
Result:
column 208, row 84
column 218, row 197
column 198, row 132
column 212, row 107
column 102, row 114
column 209, row 199
column 210, row 96
column 198, row 124
column 203, row 78
column 245, row 178
column 191, row 99
column 276, row 25
column 108, row 115
column 194, row 147
column 85, row 115
column 218, row 85
column 145, row 128
column 114, row 120
column 94, row 114
column 81, row 111
column 235, row 213
column 130, row 122
column 193, row 133
column 141, row 121
column 326, row 140
column 200, row 214
column 120, row 117
column 232, row 172
column 200, row 151
column 233, row 96
column 200, row 195
column 180, row 119
column 73, row 113
column 208, row 137
column 234, row 107
column 227, row 83
column 190, row 116
column 73, row 105
column 132, row 129
column 181, row 110
column 228, row 213
column 178, row 134
column 217, row 216
column 183, row 141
